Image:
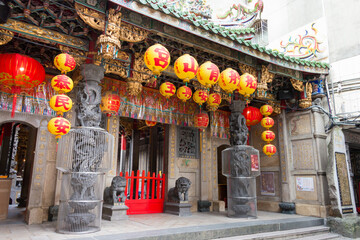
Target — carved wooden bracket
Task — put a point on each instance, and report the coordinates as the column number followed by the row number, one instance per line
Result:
column 5, row 36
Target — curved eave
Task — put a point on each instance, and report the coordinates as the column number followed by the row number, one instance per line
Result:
column 226, row 38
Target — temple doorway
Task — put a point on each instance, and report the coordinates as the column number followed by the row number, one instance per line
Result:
column 17, row 146
column 222, row 182
column 354, row 153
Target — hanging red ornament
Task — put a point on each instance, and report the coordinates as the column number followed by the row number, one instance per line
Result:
column 252, row 115
column 20, row 72
column 201, row 120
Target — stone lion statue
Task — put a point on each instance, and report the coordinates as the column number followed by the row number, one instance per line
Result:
column 115, row 191
column 180, row 191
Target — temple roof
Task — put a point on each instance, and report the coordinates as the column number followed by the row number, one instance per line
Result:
column 204, row 28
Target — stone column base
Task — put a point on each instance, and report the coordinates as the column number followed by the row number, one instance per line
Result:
column 181, row 209
column 115, row 212
column 348, row 226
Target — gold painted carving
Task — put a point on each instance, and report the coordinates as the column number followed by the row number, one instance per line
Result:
column 247, row 69
column 131, row 33
column 5, row 36
column 91, row 17
column 297, row 84
column 266, row 77
column 44, row 34
column 307, row 102
column 115, row 66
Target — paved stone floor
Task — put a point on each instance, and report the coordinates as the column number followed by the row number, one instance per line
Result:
column 16, row 229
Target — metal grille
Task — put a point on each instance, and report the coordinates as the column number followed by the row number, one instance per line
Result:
column 84, row 155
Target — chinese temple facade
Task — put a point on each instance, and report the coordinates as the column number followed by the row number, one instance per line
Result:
column 158, row 135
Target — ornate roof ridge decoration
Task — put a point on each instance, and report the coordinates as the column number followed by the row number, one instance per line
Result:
column 239, row 43
column 43, row 34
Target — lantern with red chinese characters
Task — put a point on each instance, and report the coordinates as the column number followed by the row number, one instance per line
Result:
column 167, row 89
column 266, row 110
column 62, row 83
column 150, row 123
column 252, row 115
column 64, row 62
column 201, row 120
column 184, row 93
column 157, row 58
column 208, row 74
column 200, row 96
column 20, row 72
column 247, row 84
column 268, row 136
column 267, row 122
column 60, row 103
column 269, row 149
column 229, row 80
column 213, row 101
column 59, row 126
column 110, row 103
column 186, row 67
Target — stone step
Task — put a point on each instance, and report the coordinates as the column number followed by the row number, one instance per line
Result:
column 324, row 237
column 285, row 235
column 229, row 230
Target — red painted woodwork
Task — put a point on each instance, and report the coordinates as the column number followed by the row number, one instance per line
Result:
column 151, row 201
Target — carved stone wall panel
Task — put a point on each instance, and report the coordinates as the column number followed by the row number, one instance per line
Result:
column 172, row 151
column 303, row 154
column 300, row 125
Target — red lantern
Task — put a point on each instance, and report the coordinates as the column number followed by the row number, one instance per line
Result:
column 252, row 115
column 201, row 120
column 110, row 103
column 150, row 123
column 20, row 72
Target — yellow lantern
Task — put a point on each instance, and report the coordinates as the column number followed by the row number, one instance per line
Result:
column 59, row 126
column 214, row 100
column 184, row 93
column 157, row 58
column 248, row 84
column 200, row 96
column 110, row 103
column 64, row 62
column 267, row 122
column 266, row 110
column 229, row 80
column 186, row 67
column 269, row 149
column 167, row 89
column 208, row 74
column 268, row 136
column 62, row 83
column 60, row 103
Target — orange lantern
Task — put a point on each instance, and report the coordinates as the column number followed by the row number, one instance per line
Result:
column 60, row 103
column 184, row 93
column 266, row 110
column 214, row 100
column 110, row 103
column 157, row 58
column 59, row 126
column 200, row 96
column 269, row 149
column 62, row 83
column 186, row 67
column 150, row 123
column 201, row 120
column 248, row 84
column 64, row 62
column 268, row 136
column 208, row 74
column 20, row 72
column 167, row 89
column 252, row 115
column 267, row 122
column 229, row 80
